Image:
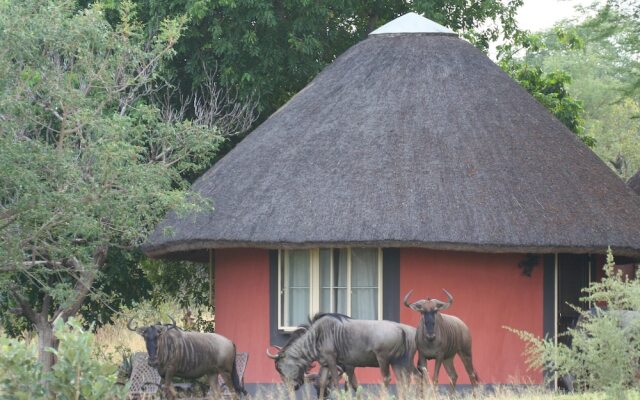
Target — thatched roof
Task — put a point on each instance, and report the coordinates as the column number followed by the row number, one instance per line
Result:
column 634, row 182
column 413, row 139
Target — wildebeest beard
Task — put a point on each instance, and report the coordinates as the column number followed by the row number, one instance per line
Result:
column 151, row 335
column 429, row 319
column 292, row 371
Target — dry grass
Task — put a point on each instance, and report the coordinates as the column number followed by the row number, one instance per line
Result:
column 413, row 392
column 116, row 339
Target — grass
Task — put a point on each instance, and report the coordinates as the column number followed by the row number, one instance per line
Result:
column 115, row 340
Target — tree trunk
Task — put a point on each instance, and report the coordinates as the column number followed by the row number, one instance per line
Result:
column 46, row 340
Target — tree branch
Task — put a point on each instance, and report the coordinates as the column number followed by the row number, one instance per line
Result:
column 83, row 283
column 28, row 264
column 25, row 307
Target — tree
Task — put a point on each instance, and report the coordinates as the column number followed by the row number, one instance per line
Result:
column 617, row 23
column 92, row 157
column 550, row 89
column 603, row 73
column 272, row 49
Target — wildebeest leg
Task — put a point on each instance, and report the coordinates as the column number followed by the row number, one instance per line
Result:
column 436, row 371
column 384, row 369
column 168, row 384
column 214, row 387
column 351, row 375
column 226, row 376
column 451, row 370
column 324, row 372
column 422, row 366
column 468, row 366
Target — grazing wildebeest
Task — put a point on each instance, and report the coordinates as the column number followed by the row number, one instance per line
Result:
column 190, row 355
column 441, row 337
column 336, row 339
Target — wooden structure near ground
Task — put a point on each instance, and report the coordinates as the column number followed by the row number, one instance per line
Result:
column 145, row 380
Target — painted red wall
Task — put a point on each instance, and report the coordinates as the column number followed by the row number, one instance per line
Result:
column 242, row 307
column 489, row 292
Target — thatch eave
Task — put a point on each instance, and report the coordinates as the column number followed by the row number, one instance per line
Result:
column 197, row 250
column 410, row 140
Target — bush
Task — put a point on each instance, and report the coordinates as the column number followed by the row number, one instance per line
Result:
column 605, row 346
column 79, row 373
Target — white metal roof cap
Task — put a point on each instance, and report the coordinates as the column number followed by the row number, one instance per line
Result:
column 412, row 23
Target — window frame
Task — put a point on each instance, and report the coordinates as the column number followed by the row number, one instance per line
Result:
column 314, row 282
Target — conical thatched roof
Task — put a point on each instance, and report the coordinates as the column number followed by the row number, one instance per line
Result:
column 410, row 139
column 634, row 182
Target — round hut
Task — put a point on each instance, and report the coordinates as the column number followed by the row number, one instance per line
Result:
column 411, row 162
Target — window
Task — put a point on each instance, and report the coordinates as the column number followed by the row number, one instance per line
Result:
column 347, row 281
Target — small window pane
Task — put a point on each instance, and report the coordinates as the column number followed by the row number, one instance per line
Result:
column 364, row 283
column 340, row 280
column 297, row 276
column 326, row 284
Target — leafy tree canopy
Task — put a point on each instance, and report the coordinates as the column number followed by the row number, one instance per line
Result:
column 600, row 54
column 91, row 158
column 271, row 49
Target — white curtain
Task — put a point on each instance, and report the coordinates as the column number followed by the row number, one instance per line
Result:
column 364, row 283
column 333, row 280
column 296, row 287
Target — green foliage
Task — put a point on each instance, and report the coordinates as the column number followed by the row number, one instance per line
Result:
column 184, row 283
column 91, row 158
column 121, row 283
column 271, row 50
column 600, row 54
column 617, row 24
column 550, row 89
column 605, row 350
column 78, row 374
column 20, row 372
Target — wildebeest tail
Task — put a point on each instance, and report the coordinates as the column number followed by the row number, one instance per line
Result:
column 235, row 379
column 404, row 361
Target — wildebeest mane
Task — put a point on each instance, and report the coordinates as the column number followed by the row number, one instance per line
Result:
column 338, row 316
column 294, row 336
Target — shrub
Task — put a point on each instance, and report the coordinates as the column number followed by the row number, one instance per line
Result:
column 79, row 372
column 605, row 346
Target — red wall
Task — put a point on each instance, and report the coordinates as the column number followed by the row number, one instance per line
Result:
column 242, row 307
column 489, row 292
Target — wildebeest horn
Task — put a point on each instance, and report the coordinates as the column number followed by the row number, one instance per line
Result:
column 173, row 321
column 129, row 325
column 444, row 306
column 272, row 356
column 406, row 298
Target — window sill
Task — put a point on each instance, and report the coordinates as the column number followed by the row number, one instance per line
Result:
column 287, row 329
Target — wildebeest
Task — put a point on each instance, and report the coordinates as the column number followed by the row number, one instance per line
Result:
column 441, row 337
column 190, row 355
column 336, row 339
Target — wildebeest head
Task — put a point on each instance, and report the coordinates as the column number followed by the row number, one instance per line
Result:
column 290, row 368
column 151, row 334
column 429, row 308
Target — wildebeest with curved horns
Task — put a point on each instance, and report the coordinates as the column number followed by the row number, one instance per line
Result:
column 441, row 337
column 190, row 355
column 336, row 339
